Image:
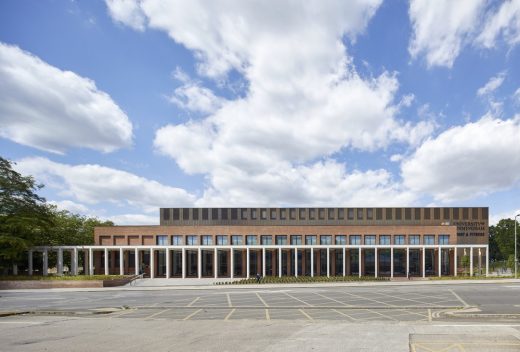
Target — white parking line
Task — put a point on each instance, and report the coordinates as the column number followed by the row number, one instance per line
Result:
column 229, row 300
column 156, row 314
column 192, row 314
column 307, row 315
column 262, row 300
column 192, row 302
column 296, row 298
column 460, row 299
column 230, row 313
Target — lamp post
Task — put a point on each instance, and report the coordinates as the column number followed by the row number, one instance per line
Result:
column 516, row 257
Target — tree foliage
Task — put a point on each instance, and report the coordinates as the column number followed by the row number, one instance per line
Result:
column 26, row 219
column 502, row 239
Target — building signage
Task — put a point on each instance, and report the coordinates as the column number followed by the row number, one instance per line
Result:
column 471, row 228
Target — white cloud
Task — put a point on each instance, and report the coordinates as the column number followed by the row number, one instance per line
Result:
column 134, row 219
column 495, row 218
column 71, row 206
column 467, row 161
column 441, row 28
column 95, row 184
column 127, row 12
column 46, row 108
column 192, row 96
column 506, row 22
column 304, row 102
column 492, row 84
column 516, row 96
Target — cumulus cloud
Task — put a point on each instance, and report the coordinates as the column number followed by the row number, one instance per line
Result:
column 304, row 101
column 71, row 206
column 493, row 84
column 494, row 218
column 441, row 27
column 94, row 184
column 467, row 161
column 46, row 108
column 505, row 22
column 127, row 12
column 134, row 219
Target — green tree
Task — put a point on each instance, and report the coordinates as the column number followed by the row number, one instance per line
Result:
column 502, row 239
column 465, row 261
column 23, row 214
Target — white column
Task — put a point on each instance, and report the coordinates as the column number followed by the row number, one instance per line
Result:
column 312, row 262
column 15, row 269
column 455, row 261
column 136, row 261
column 279, row 261
column 296, row 262
column 45, row 255
column 328, row 262
column 60, row 261
column 391, row 261
column 121, row 262
column 247, row 263
column 183, row 258
column 75, row 261
column 471, row 261
column 90, row 261
column 440, row 257
column 375, row 261
column 424, row 262
column 199, row 263
column 479, row 261
column 344, row 260
column 152, row 264
column 106, row 261
column 487, row 260
column 30, row 264
column 263, row 262
column 408, row 262
column 232, row 260
column 167, row 253
column 215, row 263
column 359, row 261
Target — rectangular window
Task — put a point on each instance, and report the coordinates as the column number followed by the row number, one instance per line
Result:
column 474, row 213
column 417, row 212
column 292, row 214
column 266, row 240
column 485, row 213
column 177, row 240
column 370, row 214
column 427, row 213
column 384, row 239
column 414, row 239
column 176, row 215
column 195, row 214
column 446, row 213
column 455, row 213
column 296, row 240
column 465, row 214
column 311, row 214
column 191, row 240
column 444, row 239
column 310, row 240
column 236, row 240
column 281, row 239
column 360, row 214
column 341, row 239
column 205, row 214
column 207, row 240
column 355, row 239
column 398, row 214
column 166, row 214
column 162, row 240
column 326, row 239
column 399, row 239
column 234, row 214
column 214, row 214
column 253, row 214
column 243, row 214
column 350, row 214
column 437, row 213
column 341, row 213
column 388, row 214
column 407, row 213
column 251, row 240
column 370, row 239
column 224, row 213
column 263, row 214
column 331, row 213
column 273, row 214
column 222, row 240
column 302, row 214
column 321, row 214
column 379, row 214
column 185, row 214
column 283, row 215
column 429, row 239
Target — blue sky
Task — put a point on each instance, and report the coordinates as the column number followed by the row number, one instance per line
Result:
column 122, row 107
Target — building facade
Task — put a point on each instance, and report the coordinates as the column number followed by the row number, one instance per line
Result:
column 244, row 242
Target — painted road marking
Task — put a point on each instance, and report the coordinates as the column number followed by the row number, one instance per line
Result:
column 230, row 313
column 296, row 298
column 192, row 302
column 460, row 299
column 156, row 314
column 262, row 300
column 332, row 299
column 430, row 315
column 192, row 314
column 307, row 315
column 229, row 300
column 344, row 314
column 267, row 317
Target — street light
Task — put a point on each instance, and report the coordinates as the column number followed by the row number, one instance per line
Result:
column 516, row 257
